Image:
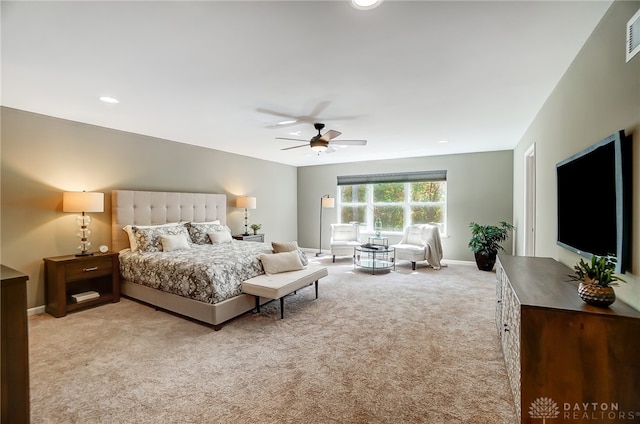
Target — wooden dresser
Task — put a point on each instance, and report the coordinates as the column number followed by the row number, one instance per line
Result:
column 15, row 347
column 566, row 360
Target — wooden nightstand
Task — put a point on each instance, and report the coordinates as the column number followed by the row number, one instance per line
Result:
column 69, row 275
column 250, row 237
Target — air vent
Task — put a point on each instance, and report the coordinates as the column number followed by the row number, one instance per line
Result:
column 633, row 36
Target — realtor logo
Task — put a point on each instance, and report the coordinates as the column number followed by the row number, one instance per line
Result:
column 544, row 408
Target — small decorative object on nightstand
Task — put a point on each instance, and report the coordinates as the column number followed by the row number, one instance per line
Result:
column 255, row 228
column 75, row 282
column 250, row 237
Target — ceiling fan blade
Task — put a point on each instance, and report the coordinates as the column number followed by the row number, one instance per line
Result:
column 295, row 147
column 348, row 143
column 330, row 135
column 319, row 108
column 340, row 118
column 292, row 139
column 275, row 113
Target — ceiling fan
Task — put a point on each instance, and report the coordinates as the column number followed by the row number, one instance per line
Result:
column 322, row 143
column 290, row 119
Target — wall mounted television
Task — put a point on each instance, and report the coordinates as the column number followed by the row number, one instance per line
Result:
column 594, row 200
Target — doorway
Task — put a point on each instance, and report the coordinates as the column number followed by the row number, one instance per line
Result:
column 530, row 201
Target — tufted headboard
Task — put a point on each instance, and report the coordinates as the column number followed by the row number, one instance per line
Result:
column 161, row 207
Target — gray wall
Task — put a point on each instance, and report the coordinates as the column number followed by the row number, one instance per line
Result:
column 43, row 157
column 479, row 188
column 598, row 95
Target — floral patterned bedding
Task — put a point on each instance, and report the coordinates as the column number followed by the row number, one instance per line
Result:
column 209, row 273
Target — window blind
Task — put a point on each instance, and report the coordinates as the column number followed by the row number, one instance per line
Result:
column 395, row 177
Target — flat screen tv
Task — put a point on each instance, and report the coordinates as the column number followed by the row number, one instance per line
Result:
column 594, row 200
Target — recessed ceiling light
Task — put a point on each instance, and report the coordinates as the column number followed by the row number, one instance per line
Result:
column 287, row 122
column 295, row 133
column 443, row 141
column 108, row 99
column 366, row 4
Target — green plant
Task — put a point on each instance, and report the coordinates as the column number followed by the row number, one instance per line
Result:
column 486, row 239
column 256, row 227
column 599, row 271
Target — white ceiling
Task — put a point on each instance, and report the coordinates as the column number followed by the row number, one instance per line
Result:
column 404, row 76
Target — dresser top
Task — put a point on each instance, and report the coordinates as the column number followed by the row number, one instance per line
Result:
column 546, row 283
column 11, row 275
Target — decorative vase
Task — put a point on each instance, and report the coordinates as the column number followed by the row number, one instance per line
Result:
column 485, row 262
column 593, row 294
column 255, row 232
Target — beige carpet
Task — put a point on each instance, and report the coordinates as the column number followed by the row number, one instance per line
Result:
column 401, row 347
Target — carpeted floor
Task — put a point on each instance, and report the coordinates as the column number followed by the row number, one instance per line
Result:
column 401, row 347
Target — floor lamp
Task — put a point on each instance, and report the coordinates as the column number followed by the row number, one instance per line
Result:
column 325, row 202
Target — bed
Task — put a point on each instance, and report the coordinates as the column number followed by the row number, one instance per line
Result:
column 176, row 289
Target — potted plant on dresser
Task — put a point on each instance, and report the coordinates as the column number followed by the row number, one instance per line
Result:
column 597, row 278
column 485, row 242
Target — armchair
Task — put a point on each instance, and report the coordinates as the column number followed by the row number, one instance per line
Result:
column 344, row 237
column 420, row 243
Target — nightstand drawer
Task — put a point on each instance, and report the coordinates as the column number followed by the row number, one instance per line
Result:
column 91, row 268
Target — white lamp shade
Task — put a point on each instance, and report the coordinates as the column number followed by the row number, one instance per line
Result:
column 246, row 202
column 82, row 201
column 328, row 202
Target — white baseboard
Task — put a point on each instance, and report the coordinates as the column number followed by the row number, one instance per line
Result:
column 456, row 262
column 35, row 311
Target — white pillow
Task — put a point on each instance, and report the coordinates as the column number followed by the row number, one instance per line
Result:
column 281, row 262
column 171, row 242
column 220, row 237
column 132, row 237
column 216, row 222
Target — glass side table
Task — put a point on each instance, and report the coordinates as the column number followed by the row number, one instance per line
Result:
column 374, row 258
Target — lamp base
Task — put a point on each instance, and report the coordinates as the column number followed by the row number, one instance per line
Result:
column 84, row 254
column 320, row 254
column 246, row 234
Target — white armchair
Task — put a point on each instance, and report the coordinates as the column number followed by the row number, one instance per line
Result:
column 420, row 243
column 344, row 237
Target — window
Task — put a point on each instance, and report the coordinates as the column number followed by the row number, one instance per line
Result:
column 393, row 201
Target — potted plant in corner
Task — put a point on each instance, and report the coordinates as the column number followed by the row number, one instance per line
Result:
column 255, row 228
column 485, row 242
column 597, row 278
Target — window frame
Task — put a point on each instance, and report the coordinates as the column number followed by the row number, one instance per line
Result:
column 406, row 204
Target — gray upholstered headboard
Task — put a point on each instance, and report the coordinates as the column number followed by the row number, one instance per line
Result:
column 161, row 207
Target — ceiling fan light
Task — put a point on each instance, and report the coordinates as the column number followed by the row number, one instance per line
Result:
column 366, row 4
column 319, row 148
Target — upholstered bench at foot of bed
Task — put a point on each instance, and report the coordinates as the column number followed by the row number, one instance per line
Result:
column 277, row 286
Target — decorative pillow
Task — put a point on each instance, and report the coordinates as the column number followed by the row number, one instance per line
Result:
column 174, row 242
column 148, row 239
column 220, row 237
column 132, row 237
column 199, row 231
column 280, row 262
column 290, row 246
column 414, row 236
